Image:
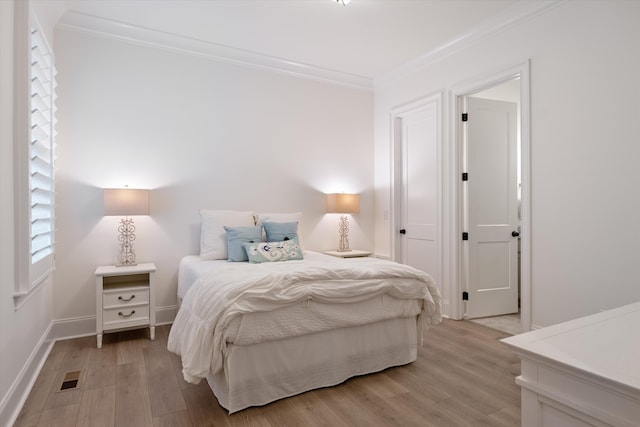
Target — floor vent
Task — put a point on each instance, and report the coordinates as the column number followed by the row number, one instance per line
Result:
column 70, row 381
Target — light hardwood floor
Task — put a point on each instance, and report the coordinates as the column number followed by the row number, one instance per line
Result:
column 463, row 377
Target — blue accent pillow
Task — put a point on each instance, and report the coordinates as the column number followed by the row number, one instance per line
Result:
column 273, row 251
column 236, row 236
column 280, row 231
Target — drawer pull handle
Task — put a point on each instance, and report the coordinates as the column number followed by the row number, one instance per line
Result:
column 126, row 300
column 126, row 315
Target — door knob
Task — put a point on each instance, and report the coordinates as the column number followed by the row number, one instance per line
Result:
column 515, row 233
column 403, row 231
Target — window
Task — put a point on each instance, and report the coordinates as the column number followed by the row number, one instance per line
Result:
column 41, row 159
column 35, row 140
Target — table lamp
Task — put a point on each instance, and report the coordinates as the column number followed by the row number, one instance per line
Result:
column 126, row 202
column 343, row 204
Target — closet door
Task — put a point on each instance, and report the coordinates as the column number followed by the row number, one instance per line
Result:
column 419, row 230
column 492, row 208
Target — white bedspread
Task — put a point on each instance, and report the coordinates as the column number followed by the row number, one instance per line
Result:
column 229, row 305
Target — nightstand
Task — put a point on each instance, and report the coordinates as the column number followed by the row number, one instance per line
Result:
column 354, row 253
column 125, row 298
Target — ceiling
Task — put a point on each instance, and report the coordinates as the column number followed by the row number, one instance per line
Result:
column 366, row 38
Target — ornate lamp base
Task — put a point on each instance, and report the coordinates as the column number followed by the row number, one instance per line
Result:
column 344, row 234
column 127, row 236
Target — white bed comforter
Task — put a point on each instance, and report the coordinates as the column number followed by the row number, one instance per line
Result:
column 208, row 317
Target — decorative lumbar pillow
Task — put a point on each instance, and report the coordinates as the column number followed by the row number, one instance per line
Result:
column 280, row 231
column 273, row 251
column 236, row 236
column 213, row 237
column 282, row 217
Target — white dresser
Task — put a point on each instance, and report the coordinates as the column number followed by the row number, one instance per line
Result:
column 585, row 372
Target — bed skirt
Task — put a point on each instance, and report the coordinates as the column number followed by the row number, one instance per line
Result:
column 257, row 374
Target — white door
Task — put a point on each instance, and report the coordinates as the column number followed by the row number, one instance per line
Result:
column 492, row 207
column 420, row 242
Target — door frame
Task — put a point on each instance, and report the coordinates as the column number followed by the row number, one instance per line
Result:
column 458, row 92
column 396, row 195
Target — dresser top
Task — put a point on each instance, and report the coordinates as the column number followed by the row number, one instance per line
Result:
column 605, row 345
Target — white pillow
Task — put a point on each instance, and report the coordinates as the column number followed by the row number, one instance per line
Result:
column 282, row 217
column 213, row 236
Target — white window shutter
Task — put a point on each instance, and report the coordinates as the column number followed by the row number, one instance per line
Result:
column 42, row 158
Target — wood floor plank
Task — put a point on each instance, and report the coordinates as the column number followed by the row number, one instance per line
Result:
column 175, row 419
column 98, row 407
column 384, row 385
column 250, row 417
column 62, row 398
column 28, row 419
column 343, row 401
column 509, row 416
column 132, row 396
column 102, row 368
column 315, row 411
column 467, row 369
column 62, row 416
column 203, row 408
column 39, row 395
column 463, row 377
column 164, row 392
column 77, row 354
column 410, row 375
column 383, row 410
column 461, row 412
column 129, row 350
column 450, row 378
column 283, row 413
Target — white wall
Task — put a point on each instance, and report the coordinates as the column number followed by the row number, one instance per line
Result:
column 24, row 331
column 584, row 148
column 199, row 133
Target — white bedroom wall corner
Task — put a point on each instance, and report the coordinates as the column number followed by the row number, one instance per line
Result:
column 165, row 315
column 515, row 15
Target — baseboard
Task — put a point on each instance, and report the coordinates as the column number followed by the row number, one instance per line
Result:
column 65, row 329
column 74, row 327
column 15, row 398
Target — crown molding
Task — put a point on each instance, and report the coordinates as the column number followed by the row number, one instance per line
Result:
column 89, row 24
column 512, row 16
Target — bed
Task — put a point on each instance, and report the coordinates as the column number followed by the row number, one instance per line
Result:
column 262, row 331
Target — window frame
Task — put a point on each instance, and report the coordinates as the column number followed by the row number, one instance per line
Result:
column 32, row 275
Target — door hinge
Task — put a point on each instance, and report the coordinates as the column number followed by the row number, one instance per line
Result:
column 465, row 236
column 465, row 176
column 465, row 296
column 465, row 117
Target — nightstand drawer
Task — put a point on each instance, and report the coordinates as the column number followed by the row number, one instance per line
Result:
column 124, row 297
column 126, row 317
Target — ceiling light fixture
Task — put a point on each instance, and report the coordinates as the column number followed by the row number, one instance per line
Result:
column 343, row 2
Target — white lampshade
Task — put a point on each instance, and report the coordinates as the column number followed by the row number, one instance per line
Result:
column 343, row 203
column 126, row 201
